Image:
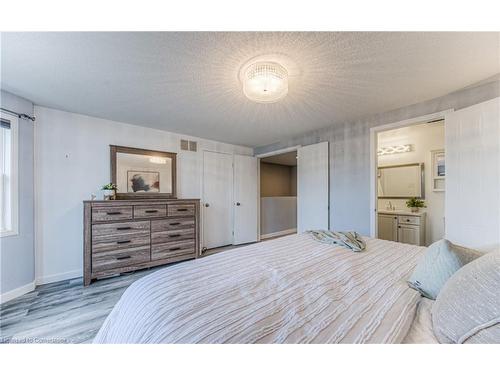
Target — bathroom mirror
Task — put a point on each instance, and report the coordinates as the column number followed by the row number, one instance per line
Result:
column 401, row 181
column 140, row 173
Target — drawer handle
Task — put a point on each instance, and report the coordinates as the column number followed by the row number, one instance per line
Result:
column 150, row 211
column 408, row 220
column 114, row 213
column 173, row 224
column 124, row 257
column 182, row 209
column 122, row 242
column 174, row 235
column 123, row 228
column 174, row 248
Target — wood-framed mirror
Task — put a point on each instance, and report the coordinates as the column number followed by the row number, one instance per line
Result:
column 401, row 181
column 140, row 173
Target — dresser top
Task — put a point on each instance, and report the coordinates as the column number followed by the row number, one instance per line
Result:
column 135, row 202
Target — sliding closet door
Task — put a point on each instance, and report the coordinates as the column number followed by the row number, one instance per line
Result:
column 245, row 199
column 472, row 202
column 312, row 187
column 217, row 202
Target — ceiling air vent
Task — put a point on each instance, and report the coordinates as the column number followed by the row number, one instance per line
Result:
column 188, row 145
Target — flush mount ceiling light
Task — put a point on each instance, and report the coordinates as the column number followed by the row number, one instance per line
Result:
column 265, row 82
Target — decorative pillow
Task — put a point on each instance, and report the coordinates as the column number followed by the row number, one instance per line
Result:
column 468, row 308
column 441, row 260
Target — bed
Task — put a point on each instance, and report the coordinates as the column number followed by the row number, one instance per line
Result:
column 290, row 290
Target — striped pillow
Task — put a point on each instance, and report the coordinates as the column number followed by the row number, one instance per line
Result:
column 441, row 260
column 468, row 308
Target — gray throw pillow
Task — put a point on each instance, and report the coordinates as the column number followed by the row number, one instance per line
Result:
column 468, row 308
column 441, row 260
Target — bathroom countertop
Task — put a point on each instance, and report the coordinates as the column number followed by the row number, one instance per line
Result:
column 401, row 212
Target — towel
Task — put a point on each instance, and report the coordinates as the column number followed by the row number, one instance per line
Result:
column 349, row 240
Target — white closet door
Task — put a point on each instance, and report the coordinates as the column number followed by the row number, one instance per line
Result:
column 217, row 202
column 245, row 199
column 312, row 187
column 472, row 201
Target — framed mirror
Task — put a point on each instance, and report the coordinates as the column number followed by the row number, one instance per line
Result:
column 401, row 181
column 140, row 173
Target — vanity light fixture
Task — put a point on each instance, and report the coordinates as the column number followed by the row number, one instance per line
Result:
column 389, row 150
column 157, row 160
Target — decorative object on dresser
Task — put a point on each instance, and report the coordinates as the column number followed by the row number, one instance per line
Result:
column 139, row 173
column 109, row 191
column 127, row 235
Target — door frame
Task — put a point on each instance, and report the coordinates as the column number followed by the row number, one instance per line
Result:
column 374, row 157
column 265, row 155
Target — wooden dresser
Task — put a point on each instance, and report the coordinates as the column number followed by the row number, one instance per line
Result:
column 127, row 235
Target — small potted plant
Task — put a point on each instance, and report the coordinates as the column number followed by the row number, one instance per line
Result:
column 109, row 191
column 415, row 204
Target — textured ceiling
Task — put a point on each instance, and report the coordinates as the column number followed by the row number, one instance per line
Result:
column 188, row 82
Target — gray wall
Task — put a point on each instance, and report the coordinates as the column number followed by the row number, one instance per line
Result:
column 277, row 214
column 17, row 255
column 350, row 152
column 276, row 180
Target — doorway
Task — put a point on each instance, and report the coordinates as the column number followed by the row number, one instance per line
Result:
column 278, row 195
column 408, row 170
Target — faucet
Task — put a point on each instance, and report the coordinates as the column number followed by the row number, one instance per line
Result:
column 390, row 206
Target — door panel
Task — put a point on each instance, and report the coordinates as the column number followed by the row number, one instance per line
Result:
column 245, row 199
column 217, row 199
column 472, row 201
column 312, row 187
column 388, row 227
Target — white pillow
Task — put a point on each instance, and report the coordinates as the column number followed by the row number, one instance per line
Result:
column 467, row 310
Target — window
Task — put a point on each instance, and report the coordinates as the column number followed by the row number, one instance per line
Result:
column 8, row 175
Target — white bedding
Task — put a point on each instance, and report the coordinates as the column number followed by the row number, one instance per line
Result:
column 289, row 290
column 421, row 330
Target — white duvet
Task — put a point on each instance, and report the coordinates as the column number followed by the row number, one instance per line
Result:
column 289, row 290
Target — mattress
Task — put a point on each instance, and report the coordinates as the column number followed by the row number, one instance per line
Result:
column 289, row 290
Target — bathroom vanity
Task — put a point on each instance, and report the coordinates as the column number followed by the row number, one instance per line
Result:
column 402, row 226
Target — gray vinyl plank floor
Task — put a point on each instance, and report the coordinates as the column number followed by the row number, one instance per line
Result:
column 66, row 312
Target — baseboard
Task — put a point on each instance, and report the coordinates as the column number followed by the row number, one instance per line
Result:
column 277, row 234
column 59, row 277
column 18, row 292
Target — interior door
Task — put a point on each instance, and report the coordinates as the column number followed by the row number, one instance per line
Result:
column 472, row 152
column 245, row 199
column 312, row 187
column 217, row 199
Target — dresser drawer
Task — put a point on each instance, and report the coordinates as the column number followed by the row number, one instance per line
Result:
column 172, row 235
column 173, row 249
column 409, row 220
column 119, row 231
column 157, row 210
column 111, row 213
column 181, row 209
column 172, row 224
column 100, row 244
column 107, row 260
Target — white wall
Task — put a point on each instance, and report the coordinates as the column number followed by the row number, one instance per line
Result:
column 72, row 162
column 423, row 138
